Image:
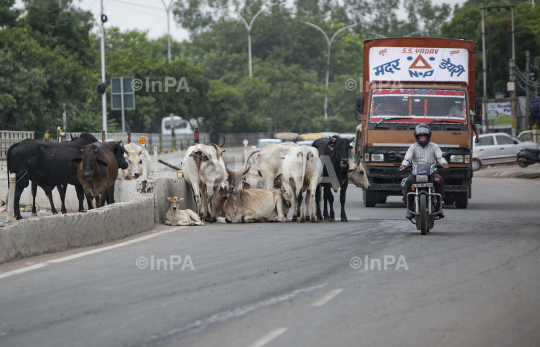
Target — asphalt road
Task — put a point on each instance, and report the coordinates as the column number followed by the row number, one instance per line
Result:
column 472, row 281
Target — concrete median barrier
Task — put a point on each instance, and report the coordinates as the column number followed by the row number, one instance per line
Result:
column 142, row 204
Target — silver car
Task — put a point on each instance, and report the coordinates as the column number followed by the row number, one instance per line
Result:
column 496, row 149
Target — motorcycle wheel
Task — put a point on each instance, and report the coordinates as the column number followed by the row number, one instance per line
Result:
column 423, row 215
column 522, row 163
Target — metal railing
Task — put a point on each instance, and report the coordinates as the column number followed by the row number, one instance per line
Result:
column 164, row 143
column 8, row 137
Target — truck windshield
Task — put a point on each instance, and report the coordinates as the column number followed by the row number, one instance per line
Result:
column 418, row 106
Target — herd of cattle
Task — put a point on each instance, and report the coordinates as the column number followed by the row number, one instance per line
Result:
column 91, row 166
column 273, row 179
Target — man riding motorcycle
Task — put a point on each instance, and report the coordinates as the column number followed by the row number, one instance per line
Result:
column 424, row 152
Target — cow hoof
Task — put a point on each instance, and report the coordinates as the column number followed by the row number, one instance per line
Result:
column 208, row 220
column 294, row 219
column 344, row 219
column 326, row 218
column 331, row 219
column 35, row 214
column 228, row 220
column 302, row 220
column 308, row 219
column 214, row 220
column 313, row 220
column 319, row 218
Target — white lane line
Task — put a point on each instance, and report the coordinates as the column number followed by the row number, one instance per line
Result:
column 75, row 256
column 24, row 269
column 329, row 296
column 126, row 243
column 224, row 316
column 268, row 337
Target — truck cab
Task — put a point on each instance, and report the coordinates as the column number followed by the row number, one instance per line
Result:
column 409, row 81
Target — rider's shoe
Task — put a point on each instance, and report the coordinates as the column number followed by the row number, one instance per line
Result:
column 409, row 215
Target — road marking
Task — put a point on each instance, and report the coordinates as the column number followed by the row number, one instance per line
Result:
column 75, row 256
column 268, row 337
column 329, row 296
column 224, row 316
column 126, row 243
column 24, row 269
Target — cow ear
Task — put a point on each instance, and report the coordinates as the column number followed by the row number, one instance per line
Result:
column 223, row 151
column 247, row 185
column 331, row 147
column 332, row 141
column 75, row 162
column 170, row 199
column 101, row 162
column 180, row 199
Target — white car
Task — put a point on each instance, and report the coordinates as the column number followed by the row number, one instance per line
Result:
column 496, row 149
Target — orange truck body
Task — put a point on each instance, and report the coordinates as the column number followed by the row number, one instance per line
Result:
column 425, row 77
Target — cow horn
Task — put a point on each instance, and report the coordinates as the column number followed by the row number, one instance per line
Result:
column 118, row 142
column 332, row 140
column 204, row 140
column 124, row 149
column 223, row 142
column 246, row 170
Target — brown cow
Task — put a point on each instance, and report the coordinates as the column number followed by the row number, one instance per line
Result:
column 97, row 170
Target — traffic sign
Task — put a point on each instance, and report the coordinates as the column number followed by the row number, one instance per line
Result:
column 142, row 140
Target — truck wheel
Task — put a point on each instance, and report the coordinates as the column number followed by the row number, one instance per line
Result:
column 381, row 198
column 370, row 198
column 476, row 164
column 462, row 200
column 423, row 215
column 449, row 200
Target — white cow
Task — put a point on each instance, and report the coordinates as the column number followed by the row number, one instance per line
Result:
column 268, row 161
column 205, row 170
column 137, row 158
column 303, row 171
column 255, row 205
column 358, row 176
column 175, row 216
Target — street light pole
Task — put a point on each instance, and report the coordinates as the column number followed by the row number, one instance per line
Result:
column 248, row 27
column 168, row 9
column 104, row 96
column 329, row 43
column 484, row 76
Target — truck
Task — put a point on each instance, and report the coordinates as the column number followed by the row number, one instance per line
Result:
column 406, row 82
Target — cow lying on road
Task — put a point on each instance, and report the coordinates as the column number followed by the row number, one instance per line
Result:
column 176, row 216
column 256, row 205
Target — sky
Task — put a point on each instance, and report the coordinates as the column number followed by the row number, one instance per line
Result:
column 150, row 15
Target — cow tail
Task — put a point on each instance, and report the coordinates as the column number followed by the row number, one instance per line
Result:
column 249, row 156
column 304, row 167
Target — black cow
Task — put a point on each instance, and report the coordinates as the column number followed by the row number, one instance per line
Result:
column 333, row 150
column 47, row 164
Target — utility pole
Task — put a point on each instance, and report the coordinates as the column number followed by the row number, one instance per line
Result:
column 527, row 74
column 104, row 96
column 329, row 43
column 512, row 79
column 484, row 113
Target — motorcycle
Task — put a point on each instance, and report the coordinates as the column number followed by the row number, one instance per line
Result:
column 425, row 198
column 528, row 156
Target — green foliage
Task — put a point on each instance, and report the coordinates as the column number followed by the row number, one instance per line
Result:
column 467, row 23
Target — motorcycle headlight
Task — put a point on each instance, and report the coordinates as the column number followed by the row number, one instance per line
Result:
column 456, row 159
column 377, row 157
column 421, row 178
